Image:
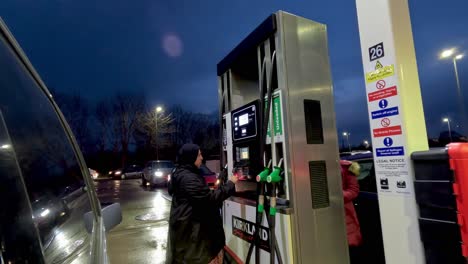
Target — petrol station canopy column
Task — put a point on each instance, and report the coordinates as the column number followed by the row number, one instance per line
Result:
column 396, row 119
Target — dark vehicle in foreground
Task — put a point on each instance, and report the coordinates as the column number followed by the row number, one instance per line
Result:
column 50, row 212
column 367, row 209
column 157, row 172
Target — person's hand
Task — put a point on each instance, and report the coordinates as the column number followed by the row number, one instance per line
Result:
column 234, row 178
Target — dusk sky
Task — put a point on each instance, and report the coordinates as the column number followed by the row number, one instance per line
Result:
column 168, row 50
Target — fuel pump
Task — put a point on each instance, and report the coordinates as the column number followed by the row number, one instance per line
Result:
column 279, row 137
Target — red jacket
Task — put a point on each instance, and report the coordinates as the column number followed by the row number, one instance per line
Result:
column 350, row 192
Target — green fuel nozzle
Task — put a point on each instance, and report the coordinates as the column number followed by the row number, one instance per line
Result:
column 274, row 177
column 262, row 176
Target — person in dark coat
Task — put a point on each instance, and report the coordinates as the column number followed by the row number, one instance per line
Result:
column 196, row 233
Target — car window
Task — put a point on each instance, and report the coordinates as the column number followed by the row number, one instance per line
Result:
column 51, row 172
column 205, row 170
column 164, row 165
column 366, row 177
column 18, row 237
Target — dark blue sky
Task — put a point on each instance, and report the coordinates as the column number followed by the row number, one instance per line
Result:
column 168, row 50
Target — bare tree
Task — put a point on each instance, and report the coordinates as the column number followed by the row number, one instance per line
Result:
column 104, row 127
column 125, row 110
column 75, row 108
column 190, row 127
column 154, row 129
column 178, row 125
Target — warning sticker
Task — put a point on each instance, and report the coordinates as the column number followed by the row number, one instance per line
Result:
column 384, row 113
column 387, row 131
column 380, row 84
column 378, row 65
column 385, row 122
column 385, row 93
column 381, row 73
column 386, row 152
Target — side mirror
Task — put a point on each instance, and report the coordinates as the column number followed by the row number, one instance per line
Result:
column 111, row 216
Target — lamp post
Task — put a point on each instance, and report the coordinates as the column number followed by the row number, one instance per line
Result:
column 346, row 134
column 159, row 109
column 450, row 53
column 446, row 120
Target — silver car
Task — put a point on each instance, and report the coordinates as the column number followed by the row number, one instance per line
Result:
column 49, row 207
column 157, row 172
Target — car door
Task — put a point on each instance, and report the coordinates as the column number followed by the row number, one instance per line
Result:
column 50, row 171
column 367, row 209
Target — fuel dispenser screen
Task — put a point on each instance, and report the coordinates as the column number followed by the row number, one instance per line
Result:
column 246, row 135
column 244, row 153
column 244, row 124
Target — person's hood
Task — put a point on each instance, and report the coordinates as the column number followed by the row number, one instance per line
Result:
column 188, row 154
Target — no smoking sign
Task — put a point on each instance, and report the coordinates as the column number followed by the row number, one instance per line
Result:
column 385, row 122
column 380, row 84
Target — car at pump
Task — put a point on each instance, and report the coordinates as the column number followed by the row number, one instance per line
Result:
column 210, row 177
column 157, row 172
column 50, row 212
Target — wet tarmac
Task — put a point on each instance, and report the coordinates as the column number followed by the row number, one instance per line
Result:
column 142, row 235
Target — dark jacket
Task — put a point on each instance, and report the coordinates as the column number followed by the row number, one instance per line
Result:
column 196, row 233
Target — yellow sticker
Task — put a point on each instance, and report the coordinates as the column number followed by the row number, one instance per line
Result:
column 381, row 73
column 378, row 65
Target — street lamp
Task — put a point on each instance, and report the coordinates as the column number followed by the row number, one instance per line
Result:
column 159, row 109
column 450, row 53
column 346, row 134
column 446, row 120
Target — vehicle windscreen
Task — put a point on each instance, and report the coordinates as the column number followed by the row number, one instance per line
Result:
column 163, row 165
column 205, row 170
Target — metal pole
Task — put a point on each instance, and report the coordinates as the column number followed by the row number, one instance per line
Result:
column 349, row 145
column 460, row 95
column 157, row 140
column 450, row 131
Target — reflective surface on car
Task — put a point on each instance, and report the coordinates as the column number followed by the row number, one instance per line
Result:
column 206, row 171
column 367, row 209
column 162, row 165
column 19, row 241
column 51, row 172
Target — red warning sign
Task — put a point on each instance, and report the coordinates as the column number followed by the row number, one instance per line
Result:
column 385, row 122
column 387, row 131
column 388, row 92
column 380, row 84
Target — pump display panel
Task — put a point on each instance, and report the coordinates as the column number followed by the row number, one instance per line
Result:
column 244, row 122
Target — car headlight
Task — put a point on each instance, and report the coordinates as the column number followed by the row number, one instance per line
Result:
column 158, row 174
column 45, row 213
column 168, row 177
column 118, row 172
column 217, row 182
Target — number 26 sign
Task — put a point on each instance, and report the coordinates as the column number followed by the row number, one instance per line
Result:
column 376, row 52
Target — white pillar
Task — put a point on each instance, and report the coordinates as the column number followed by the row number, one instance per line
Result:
column 397, row 121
